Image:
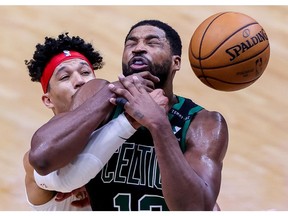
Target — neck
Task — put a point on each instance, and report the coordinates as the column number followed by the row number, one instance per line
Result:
column 173, row 100
column 171, row 97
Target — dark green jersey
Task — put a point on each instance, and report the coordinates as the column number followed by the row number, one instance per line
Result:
column 131, row 180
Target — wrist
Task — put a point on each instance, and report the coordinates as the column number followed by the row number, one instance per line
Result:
column 132, row 121
column 160, row 124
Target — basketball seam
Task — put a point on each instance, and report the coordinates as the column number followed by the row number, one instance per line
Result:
column 200, row 46
column 227, row 65
column 223, row 81
column 249, row 24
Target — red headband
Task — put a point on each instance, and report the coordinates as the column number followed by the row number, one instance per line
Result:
column 55, row 61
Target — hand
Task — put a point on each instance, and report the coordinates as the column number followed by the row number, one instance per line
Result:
column 159, row 97
column 146, row 79
column 81, row 195
column 141, row 106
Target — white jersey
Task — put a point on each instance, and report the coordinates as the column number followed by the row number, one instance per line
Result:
column 64, row 205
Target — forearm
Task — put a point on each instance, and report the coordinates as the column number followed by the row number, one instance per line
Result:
column 102, row 145
column 182, row 188
column 57, row 142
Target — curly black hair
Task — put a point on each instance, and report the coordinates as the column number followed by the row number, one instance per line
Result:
column 53, row 46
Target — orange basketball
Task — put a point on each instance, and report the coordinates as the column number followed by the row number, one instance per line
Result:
column 229, row 51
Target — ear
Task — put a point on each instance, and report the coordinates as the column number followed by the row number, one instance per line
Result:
column 47, row 101
column 176, row 62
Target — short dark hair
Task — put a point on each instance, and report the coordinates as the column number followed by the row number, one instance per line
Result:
column 171, row 35
column 53, row 46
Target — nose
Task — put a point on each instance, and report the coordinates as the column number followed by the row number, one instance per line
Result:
column 139, row 47
column 78, row 80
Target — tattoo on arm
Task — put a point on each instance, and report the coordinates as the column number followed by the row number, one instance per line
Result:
column 138, row 115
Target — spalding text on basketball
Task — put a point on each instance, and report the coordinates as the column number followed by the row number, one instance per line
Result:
column 236, row 50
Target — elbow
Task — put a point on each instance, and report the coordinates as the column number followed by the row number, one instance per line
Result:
column 39, row 157
column 39, row 163
column 210, row 198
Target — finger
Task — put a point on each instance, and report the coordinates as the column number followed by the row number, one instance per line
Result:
column 121, row 100
column 138, row 84
column 127, row 83
column 130, row 86
column 145, row 79
column 148, row 85
column 148, row 76
column 118, row 91
column 80, row 196
column 61, row 196
column 81, row 203
column 113, row 101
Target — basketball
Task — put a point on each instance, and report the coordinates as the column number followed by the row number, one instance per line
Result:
column 229, row 51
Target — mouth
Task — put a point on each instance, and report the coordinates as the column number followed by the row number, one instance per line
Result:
column 138, row 64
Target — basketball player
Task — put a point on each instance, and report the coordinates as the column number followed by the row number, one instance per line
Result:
column 178, row 169
column 157, row 168
column 67, row 80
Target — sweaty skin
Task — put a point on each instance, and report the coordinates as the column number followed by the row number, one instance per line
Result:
column 79, row 124
column 38, row 196
column 190, row 180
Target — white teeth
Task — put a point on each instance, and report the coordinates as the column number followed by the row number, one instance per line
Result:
column 138, row 62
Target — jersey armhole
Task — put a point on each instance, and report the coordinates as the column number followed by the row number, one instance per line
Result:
column 192, row 114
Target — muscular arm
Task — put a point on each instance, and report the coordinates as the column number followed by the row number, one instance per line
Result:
column 34, row 194
column 102, row 145
column 190, row 181
column 58, row 141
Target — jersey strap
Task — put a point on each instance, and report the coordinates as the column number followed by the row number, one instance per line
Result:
column 180, row 117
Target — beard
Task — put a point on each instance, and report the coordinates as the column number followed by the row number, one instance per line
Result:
column 161, row 71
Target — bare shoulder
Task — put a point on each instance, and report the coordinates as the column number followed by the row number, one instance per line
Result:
column 209, row 120
column 211, row 116
column 208, row 134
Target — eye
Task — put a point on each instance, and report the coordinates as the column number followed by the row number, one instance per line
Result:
column 154, row 41
column 130, row 43
column 64, row 77
column 86, row 73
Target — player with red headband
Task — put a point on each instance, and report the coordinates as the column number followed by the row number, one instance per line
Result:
column 57, row 60
column 65, row 68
